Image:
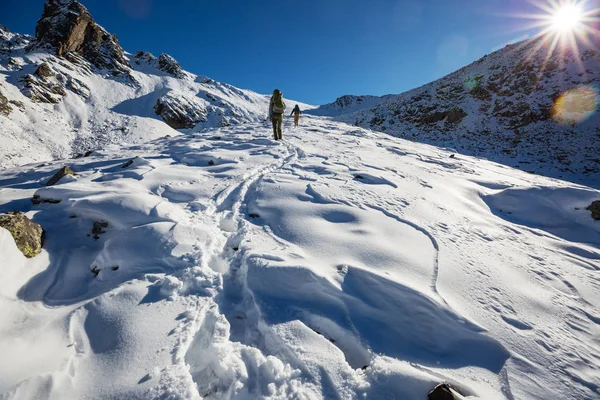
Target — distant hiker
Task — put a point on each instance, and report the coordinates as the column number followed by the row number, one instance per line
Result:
column 296, row 111
column 276, row 110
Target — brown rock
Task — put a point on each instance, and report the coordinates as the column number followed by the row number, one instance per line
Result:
column 5, row 108
column 44, row 71
column 28, row 236
column 456, row 115
column 67, row 26
column 59, row 174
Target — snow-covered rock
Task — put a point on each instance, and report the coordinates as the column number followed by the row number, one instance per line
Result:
column 179, row 111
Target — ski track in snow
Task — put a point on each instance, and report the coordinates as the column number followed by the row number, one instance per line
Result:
column 254, row 269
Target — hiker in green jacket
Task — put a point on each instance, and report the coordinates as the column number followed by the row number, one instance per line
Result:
column 276, row 110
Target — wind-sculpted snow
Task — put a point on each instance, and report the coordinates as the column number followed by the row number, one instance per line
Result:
column 339, row 263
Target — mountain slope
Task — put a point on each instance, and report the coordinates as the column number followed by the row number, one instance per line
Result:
column 522, row 106
column 72, row 89
column 340, row 263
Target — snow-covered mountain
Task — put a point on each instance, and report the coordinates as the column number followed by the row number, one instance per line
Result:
column 525, row 106
column 340, row 263
column 189, row 256
column 72, row 89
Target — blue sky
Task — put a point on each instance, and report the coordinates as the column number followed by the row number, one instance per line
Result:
column 313, row 50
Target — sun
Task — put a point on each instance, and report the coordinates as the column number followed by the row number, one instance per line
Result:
column 567, row 18
column 563, row 24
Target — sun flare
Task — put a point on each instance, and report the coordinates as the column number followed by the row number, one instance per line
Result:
column 567, row 18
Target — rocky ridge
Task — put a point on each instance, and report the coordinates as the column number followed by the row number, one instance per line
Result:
column 502, row 107
column 85, row 92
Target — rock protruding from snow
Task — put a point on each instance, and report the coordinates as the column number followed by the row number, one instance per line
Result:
column 169, row 65
column 144, row 56
column 67, row 26
column 164, row 62
column 64, row 171
column 43, row 86
column 179, row 111
column 441, row 392
column 5, row 108
column 595, row 209
column 28, row 236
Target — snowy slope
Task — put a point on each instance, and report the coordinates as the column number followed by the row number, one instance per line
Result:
column 70, row 106
column 505, row 107
column 339, row 263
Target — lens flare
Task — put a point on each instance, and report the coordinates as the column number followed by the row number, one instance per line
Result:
column 575, row 105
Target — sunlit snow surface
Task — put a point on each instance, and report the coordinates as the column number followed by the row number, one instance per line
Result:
column 338, row 264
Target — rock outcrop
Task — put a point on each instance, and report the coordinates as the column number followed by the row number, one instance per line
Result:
column 180, row 112
column 441, row 392
column 164, row 63
column 67, row 26
column 595, row 209
column 64, row 171
column 169, row 65
column 5, row 108
column 28, row 236
column 44, row 86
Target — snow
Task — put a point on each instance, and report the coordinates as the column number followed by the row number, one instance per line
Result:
column 338, row 263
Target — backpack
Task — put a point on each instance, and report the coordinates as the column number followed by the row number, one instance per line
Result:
column 278, row 103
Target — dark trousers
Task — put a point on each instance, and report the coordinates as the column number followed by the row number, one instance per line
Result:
column 277, row 120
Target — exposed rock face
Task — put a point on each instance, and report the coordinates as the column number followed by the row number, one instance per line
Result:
column 43, row 89
column 170, row 65
column 5, row 108
column 144, row 56
column 164, row 63
column 10, row 41
column 29, row 236
column 44, row 71
column 46, row 85
column 64, row 171
column 180, row 112
column 67, row 26
column 595, row 209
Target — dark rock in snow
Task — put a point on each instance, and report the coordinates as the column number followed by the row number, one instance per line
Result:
column 98, row 227
column 144, row 56
column 59, row 174
column 441, row 392
column 44, row 71
column 456, row 115
column 170, row 65
column 28, row 236
column 67, row 26
column 37, row 199
column 43, row 89
column 180, row 112
column 595, row 209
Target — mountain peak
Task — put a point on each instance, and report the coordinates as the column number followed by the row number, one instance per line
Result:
column 67, row 26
